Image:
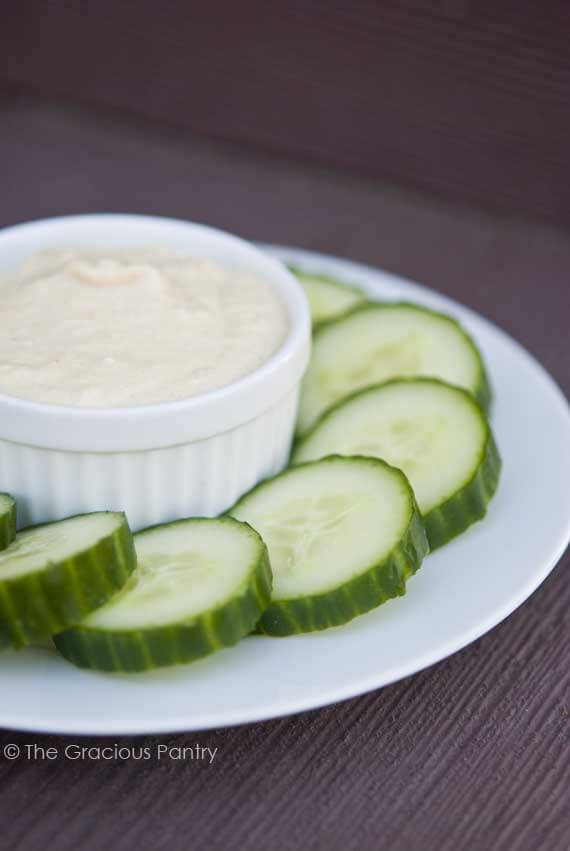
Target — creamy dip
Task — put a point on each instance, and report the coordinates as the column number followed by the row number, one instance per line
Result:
column 131, row 328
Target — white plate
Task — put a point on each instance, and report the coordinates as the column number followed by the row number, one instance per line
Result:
column 462, row 590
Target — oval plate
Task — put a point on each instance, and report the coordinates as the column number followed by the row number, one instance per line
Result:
column 461, row 592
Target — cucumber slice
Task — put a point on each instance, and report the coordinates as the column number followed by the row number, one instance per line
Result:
column 200, row 585
column 52, row 576
column 343, row 535
column 7, row 520
column 435, row 432
column 376, row 342
column 327, row 297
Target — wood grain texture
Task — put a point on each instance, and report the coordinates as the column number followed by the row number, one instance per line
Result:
column 471, row 754
column 468, row 99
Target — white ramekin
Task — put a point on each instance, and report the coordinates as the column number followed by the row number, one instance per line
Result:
column 156, row 462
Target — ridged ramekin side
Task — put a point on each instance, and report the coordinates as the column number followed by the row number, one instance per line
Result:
column 201, row 478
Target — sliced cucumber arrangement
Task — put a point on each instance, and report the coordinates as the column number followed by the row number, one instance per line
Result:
column 376, row 342
column 435, row 432
column 52, row 576
column 200, row 585
column 7, row 520
column 343, row 535
column 394, row 457
column 327, row 297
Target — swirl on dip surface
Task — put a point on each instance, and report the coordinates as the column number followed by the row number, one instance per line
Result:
column 91, row 330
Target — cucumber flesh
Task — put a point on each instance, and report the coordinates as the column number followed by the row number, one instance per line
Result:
column 376, row 342
column 327, row 297
column 7, row 520
column 52, row 576
column 435, row 432
column 343, row 535
column 200, row 585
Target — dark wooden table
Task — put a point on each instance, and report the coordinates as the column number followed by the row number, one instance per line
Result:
column 470, row 754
